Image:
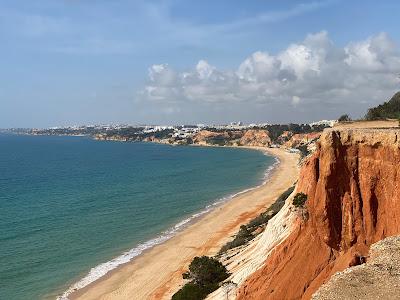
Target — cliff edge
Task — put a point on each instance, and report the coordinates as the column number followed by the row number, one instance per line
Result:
column 352, row 184
column 379, row 278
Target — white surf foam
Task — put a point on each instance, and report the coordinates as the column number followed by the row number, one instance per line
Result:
column 102, row 269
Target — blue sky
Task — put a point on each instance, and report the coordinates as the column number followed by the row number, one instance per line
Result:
column 171, row 62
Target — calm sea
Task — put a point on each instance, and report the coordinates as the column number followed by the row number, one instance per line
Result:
column 68, row 204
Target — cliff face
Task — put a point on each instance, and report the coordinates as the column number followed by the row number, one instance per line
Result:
column 379, row 278
column 250, row 137
column 301, row 139
column 205, row 137
column 254, row 137
column 257, row 137
column 352, row 183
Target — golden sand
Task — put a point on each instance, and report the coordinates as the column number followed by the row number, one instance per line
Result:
column 157, row 273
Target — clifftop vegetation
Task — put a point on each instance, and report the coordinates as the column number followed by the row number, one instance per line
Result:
column 387, row 110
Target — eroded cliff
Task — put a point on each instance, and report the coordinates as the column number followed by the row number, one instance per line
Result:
column 379, row 278
column 352, row 183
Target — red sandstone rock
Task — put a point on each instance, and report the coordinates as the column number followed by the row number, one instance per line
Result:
column 301, row 139
column 251, row 137
column 203, row 136
column 254, row 137
column 352, row 182
column 284, row 137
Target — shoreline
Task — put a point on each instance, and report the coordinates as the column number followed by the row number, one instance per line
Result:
column 101, row 270
column 135, row 275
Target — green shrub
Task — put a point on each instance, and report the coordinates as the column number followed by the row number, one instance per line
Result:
column 387, row 110
column 217, row 140
column 344, row 118
column 264, row 217
column 194, row 291
column 303, row 150
column 241, row 238
column 299, row 200
column 282, row 198
column 261, row 219
column 205, row 273
column 245, row 233
column 207, row 270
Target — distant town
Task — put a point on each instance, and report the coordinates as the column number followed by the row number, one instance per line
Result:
column 177, row 131
column 294, row 137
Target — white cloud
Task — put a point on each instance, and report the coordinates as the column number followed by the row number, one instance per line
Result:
column 377, row 53
column 314, row 71
column 204, row 70
column 300, row 59
column 295, row 100
column 163, row 75
column 259, row 66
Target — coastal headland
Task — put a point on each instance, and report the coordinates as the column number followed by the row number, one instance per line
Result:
column 157, row 273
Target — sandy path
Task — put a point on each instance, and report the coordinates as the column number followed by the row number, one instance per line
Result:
column 156, row 274
column 367, row 124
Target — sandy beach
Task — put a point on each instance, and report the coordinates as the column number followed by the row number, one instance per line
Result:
column 156, row 274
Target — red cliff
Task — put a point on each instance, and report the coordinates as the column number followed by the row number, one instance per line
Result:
column 352, row 182
column 254, row 137
column 302, row 139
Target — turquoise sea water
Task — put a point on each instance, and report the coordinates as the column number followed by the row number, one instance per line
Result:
column 68, row 204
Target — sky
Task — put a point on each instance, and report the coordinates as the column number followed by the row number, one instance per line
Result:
column 68, row 62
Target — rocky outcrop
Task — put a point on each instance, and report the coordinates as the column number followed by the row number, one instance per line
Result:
column 352, row 182
column 284, row 137
column 251, row 137
column 379, row 278
column 254, row 137
column 206, row 137
column 116, row 138
column 302, row 139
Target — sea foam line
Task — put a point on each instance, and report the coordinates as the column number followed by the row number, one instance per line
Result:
column 101, row 270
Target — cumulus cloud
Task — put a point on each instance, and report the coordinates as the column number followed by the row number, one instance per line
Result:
column 377, row 53
column 314, row 71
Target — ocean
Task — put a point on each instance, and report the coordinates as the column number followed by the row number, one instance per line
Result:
column 72, row 208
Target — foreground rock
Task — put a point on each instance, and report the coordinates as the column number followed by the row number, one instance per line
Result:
column 379, row 278
column 352, row 183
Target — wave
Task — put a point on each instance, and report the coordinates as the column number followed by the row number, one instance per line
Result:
column 102, row 269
